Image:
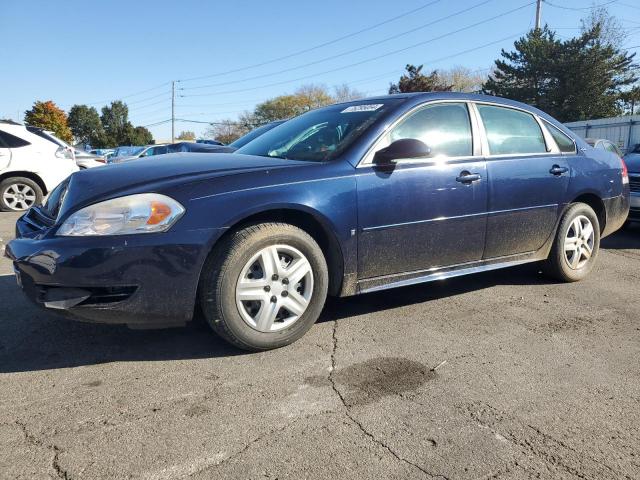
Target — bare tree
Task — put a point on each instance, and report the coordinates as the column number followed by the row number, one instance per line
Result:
column 344, row 93
column 463, row 79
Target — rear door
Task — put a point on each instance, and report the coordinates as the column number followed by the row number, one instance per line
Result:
column 528, row 180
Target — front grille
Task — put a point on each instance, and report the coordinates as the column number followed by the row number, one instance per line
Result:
column 634, row 183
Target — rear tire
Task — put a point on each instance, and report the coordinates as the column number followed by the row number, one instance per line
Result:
column 19, row 194
column 246, row 295
column 576, row 245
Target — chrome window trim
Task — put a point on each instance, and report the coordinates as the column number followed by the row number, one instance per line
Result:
column 367, row 158
column 545, row 124
column 548, row 139
column 480, row 143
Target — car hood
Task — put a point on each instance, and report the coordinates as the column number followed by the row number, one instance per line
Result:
column 633, row 162
column 161, row 171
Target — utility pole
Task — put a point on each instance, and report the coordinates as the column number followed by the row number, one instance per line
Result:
column 173, row 111
column 538, row 12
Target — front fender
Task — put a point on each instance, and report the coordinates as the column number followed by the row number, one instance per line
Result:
column 326, row 192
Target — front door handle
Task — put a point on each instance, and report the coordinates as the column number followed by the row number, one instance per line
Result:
column 558, row 170
column 468, row 177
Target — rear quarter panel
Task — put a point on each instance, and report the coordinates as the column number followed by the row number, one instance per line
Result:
column 595, row 171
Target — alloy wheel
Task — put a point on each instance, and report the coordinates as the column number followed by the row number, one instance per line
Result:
column 19, row 196
column 274, row 288
column 579, row 242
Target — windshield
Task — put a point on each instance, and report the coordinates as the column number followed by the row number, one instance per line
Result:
column 242, row 141
column 636, row 149
column 319, row 135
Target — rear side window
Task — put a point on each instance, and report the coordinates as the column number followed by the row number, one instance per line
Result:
column 11, row 141
column 511, row 131
column 445, row 128
column 564, row 142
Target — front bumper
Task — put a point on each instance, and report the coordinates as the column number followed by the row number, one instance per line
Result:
column 144, row 281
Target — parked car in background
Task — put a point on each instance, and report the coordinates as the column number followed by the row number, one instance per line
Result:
column 30, row 166
column 180, row 147
column 209, row 142
column 604, row 144
column 86, row 160
column 195, row 147
column 106, row 153
column 83, row 159
column 350, row 198
column 632, row 159
column 128, row 151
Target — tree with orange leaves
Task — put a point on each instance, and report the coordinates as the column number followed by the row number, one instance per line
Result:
column 49, row 116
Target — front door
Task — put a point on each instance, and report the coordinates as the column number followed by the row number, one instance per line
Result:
column 424, row 213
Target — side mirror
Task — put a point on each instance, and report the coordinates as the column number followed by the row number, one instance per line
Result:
column 403, row 148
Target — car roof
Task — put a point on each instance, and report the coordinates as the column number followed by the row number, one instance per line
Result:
column 420, row 97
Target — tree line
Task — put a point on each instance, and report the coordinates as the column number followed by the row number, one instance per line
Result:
column 84, row 125
column 584, row 77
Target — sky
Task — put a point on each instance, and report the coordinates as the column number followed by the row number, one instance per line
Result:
column 227, row 56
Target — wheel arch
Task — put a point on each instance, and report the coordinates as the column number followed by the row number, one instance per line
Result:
column 595, row 202
column 25, row 174
column 307, row 219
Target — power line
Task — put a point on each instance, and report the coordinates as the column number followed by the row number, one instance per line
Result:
column 578, row 9
column 163, row 94
column 142, row 107
column 630, row 6
column 344, row 67
column 347, row 52
column 316, row 47
column 294, row 54
column 153, row 112
column 103, row 102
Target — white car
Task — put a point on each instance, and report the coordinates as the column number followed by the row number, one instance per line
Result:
column 83, row 159
column 30, row 167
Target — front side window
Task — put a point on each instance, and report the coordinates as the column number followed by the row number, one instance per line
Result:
column 511, row 132
column 564, row 142
column 445, row 128
column 11, row 141
column 319, row 135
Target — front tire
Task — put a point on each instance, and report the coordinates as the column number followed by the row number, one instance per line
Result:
column 264, row 286
column 19, row 194
column 576, row 245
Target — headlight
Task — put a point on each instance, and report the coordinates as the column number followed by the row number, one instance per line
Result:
column 142, row 213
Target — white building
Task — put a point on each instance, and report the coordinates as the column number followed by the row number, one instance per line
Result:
column 623, row 131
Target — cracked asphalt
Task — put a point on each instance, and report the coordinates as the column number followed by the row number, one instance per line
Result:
column 500, row 375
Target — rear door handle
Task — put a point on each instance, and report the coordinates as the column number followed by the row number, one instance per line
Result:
column 558, row 170
column 468, row 177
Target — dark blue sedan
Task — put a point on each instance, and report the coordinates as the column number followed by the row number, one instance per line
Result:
column 351, row 198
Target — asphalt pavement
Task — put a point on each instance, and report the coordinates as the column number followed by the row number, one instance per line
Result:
column 500, row 375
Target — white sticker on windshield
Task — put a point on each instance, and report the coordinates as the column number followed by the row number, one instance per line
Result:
column 370, row 107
